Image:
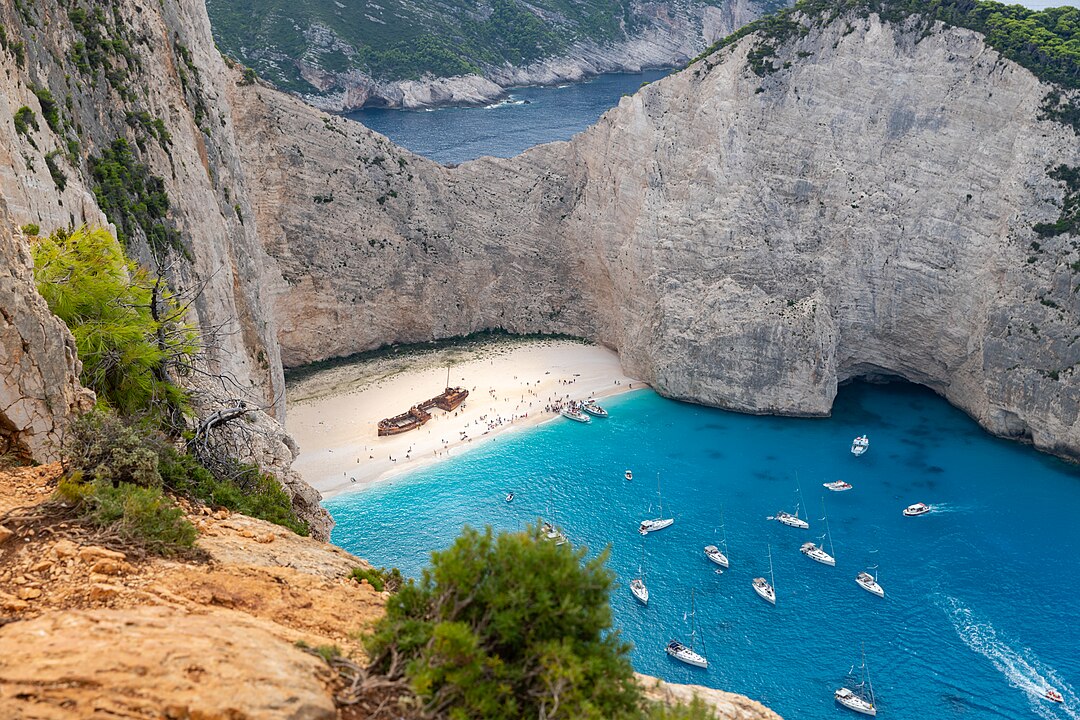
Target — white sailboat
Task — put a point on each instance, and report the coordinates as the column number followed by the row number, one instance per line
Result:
column 793, row 520
column 637, row 585
column 817, row 552
column 861, row 699
column 686, row 653
column 551, row 532
column 869, row 582
column 715, row 554
column 764, row 587
column 648, row 526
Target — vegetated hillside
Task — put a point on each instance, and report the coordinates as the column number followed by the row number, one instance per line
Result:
column 325, row 47
column 839, row 194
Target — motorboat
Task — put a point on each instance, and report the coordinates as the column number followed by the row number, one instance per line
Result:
column 763, row 587
column 1053, row 695
column 855, row 702
column 686, row 653
column 593, row 409
column 510, row 497
column 837, row 486
column 713, row 553
column 574, row 414
column 628, row 475
column 861, row 699
column 792, row 520
column 860, row 445
column 816, row 552
column 916, row 509
column 869, row 583
column 648, row 526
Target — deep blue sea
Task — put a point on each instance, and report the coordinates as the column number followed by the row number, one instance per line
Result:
column 528, row 116
column 982, row 606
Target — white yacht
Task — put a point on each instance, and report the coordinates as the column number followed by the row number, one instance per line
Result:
column 837, row 486
column 861, row 699
column 574, row 414
column 869, row 583
column 817, row 552
column 637, row 585
column 713, row 553
column 860, row 445
column 916, row 509
column 648, row 526
column 593, row 409
column 789, row 519
column 763, row 587
column 686, row 653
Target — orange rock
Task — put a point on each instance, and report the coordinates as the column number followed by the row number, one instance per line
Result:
column 108, row 566
column 103, row 591
column 4, row 534
column 65, row 549
column 28, row 593
column 92, row 553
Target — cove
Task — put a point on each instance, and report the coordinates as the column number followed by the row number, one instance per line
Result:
column 981, row 594
column 526, row 117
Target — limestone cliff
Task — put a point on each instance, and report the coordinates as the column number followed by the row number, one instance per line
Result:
column 864, row 206
column 66, row 96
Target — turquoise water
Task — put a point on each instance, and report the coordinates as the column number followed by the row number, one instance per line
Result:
column 528, row 116
column 982, row 603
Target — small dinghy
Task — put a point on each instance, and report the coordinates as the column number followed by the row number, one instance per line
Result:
column 1053, row 695
column 628, row 475
column 837, row 486
column 916, row 510
column 860, row 445
column 509, row 497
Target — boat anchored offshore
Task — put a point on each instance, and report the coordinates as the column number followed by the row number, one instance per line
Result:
column 628, row 475
column 763, row 587
column 869, row 583
column 686, row 653
column 817, row 552
column 648, row 526
column 916, row 510
column 715, row 554
column 510, row 497
column 861, row 699
column 574, row 414
column 860, row 445
column 637, row 585
column 593, row 409
column 837, row 486
column 792, row 520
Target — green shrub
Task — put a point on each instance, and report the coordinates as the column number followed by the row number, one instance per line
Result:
column 246, row 490
column 58, row 176
column 144, row 516
column 380, row 579
column 104, row 449
column 25, row 120
column 31, row 230
column 49, row 109
column 509, row 627
column 696, row 710
column 110, row 304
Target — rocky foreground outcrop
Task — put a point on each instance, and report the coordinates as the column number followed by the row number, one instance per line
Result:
column 86, row 630
column 745, row 236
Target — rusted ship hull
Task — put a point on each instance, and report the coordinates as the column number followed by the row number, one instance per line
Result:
column 448, row 400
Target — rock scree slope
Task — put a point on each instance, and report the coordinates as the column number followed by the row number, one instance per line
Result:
column 746, row 236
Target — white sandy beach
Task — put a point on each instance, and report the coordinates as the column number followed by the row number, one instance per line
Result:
column 333, row 414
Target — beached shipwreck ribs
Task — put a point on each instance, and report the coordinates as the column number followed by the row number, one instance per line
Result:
column 417, row 415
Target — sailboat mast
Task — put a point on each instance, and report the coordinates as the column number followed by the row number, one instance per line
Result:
column 832, row 551
column 772, row 580
column 866, row 674
column 693, row 620
column 723, row 530
column 659, row 495
column 798, row 493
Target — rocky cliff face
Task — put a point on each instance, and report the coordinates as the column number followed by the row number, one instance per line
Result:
column 864, row 206
column 39, row 374
column 158, row 85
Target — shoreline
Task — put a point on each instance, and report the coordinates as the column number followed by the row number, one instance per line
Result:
column 332, row 413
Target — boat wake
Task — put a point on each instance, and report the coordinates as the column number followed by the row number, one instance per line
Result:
column 505, row 103
column 942, row 508
column 1020, row 666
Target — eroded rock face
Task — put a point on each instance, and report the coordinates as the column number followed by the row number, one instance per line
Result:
column 727, row 706
column 744, row 241
column 39, row 368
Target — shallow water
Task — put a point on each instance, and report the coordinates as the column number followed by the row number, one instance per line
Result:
column 528, row 116
column 981, row 608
